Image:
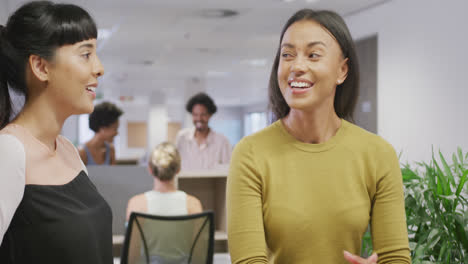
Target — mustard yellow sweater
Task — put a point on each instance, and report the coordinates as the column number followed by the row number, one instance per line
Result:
column 307, row 203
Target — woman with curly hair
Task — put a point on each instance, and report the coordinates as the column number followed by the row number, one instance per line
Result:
column 104, row 121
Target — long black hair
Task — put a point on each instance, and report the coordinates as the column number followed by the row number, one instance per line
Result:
column 36, row 28
column 346, row 93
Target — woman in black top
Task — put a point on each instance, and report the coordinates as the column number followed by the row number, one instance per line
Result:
column 50, row 212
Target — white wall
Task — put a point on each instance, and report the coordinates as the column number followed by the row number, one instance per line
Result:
column 422, row 90
column 258, row 107
column 157, row 125
column 70, row 129
column 133, row 112
column 229, row 122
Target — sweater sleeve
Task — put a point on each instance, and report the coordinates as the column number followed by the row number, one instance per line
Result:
column 246, row 235
column 388, row 219
column 12, row 179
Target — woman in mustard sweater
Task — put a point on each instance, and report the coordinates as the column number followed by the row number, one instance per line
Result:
column 307, row 187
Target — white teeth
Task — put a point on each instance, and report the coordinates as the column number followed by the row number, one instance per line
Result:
column 92, row 89
column 300, row 84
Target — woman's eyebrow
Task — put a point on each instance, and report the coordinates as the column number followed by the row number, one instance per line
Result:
column 86, row 45
column 311, row 44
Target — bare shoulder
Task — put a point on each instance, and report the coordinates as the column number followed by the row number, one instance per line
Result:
column 137, row 199
column 137, row 204
column 194, row 205
column 112, row 153
column 111, row 146
column 81, row 150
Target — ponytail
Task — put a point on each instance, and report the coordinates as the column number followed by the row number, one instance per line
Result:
column 5, row 101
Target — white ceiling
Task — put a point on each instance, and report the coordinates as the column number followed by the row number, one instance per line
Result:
column 168, row 46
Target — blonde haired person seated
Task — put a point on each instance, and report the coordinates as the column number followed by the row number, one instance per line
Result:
column 164, row 198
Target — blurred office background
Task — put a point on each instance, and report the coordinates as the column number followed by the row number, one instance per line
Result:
column 158, row 53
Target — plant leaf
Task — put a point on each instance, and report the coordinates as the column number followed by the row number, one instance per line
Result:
column 408, row 174
column 463, row 179
column 442, row 184
column 442, row 251
column 431, row 178
column 447, row 169
column 451, row 197
column 462, row 235
column 461, row 184
column 433, row 238
column 460, row 154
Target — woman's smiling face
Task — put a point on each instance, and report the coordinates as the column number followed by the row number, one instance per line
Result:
column 73, row 75
column 311, row 66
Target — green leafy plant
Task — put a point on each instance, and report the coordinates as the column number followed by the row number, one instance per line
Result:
column 436, row 210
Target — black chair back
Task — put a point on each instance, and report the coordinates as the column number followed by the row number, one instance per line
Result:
column 153, row 239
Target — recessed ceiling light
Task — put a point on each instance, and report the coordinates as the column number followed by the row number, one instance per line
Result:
column 205, row 50
column 307, row 1
column 104, row 33
column 255, row 62
column 218, row 13
column 138, row 62
column 217, row 74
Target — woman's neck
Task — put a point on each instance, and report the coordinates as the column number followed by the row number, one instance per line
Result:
column 164, row 186
column 97, row 141
column 42, row 121
column 314, row 127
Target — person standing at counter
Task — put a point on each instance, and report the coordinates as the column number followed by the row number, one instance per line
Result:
column 200, row 147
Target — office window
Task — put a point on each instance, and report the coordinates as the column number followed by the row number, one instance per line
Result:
column 254, row 122
column 230, row 128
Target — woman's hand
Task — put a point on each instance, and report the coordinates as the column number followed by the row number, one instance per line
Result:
column 358, row 260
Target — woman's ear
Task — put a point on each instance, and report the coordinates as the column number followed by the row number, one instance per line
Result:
column 342, row 72
column 39, row 67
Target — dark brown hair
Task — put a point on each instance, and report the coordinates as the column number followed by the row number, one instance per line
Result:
column 347, row 92
column 104, row 115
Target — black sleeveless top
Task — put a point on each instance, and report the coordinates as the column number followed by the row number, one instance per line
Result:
column 66, row 224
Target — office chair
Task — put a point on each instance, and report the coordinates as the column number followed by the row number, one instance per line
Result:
column 152, row 239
